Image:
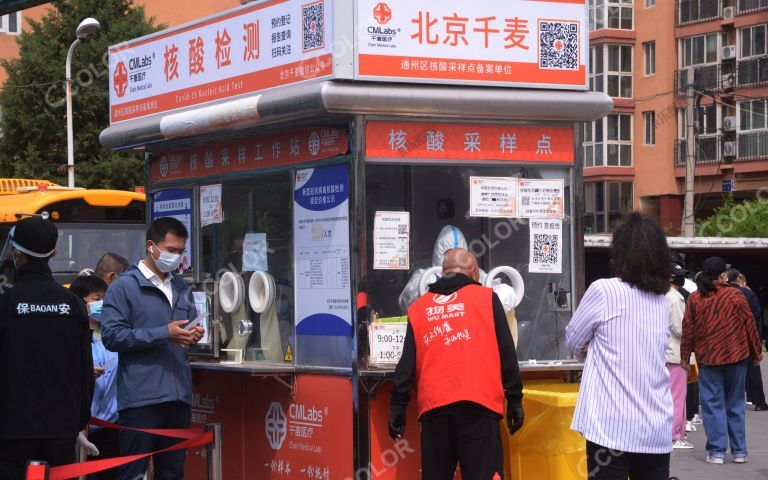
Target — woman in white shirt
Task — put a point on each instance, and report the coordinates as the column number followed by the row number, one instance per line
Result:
column 621, row 328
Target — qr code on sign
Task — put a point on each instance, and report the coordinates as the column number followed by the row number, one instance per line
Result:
column 545, row 248
column 313, row 23
column 558, row 45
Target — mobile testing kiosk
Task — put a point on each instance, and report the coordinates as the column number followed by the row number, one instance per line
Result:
column 323, row 155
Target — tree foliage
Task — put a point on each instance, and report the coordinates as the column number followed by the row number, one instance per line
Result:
column 34, row 141
column 747, row 219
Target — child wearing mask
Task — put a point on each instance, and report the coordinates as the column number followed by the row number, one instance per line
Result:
column 101, row 442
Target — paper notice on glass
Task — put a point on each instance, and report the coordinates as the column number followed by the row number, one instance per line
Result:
column 546, row 246
column 386, row 342
column 255, row 252
column 201, row 305
column 541, row 198
column 210, row 205
column 493, row 197
column 391, row 240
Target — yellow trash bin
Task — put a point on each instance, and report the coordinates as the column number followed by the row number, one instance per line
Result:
column 546, row 448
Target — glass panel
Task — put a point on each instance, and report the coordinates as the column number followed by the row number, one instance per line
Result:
column 626, row 18
column 626, row 197
column 599, row 197
column 588, row 132
column 625, row 152
column 746, row 42
column 626, row 127
column 688, row 52
column 613, row 85
column 626, row 86
column 598, row 59
column 599, row 130
column 744, row 116
column 589, row 156
column 613, row 17
column 599, row 161
column 758, row 114
column 626, row 59
column 589, row 197
column 698, row 51
column 613, row 155
column 591, row 19
column 759, row 40
column 600, row 83
column 613, row 58
column 711, row 48
column 710, row 124
column 599, row 16
column 613, row 127
column 613, row 197
column 589, row 224
column 599, row 223
column 13, row 23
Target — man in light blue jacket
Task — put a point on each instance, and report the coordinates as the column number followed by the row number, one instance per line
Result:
column 143, row 319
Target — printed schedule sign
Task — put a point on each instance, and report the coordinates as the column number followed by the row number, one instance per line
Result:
column 321, row 252
column 541, row 198
column 493, row 197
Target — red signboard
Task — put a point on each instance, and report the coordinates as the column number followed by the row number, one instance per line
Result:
column 265, row 151
column 443, row 141
column 392, row 460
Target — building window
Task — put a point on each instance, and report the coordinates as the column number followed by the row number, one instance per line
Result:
column 611, row 70
column 608, row 141
column 649, row 51
column 753, row 41
column 605, row 203
column 11, row 23
column 752, row 114
column 616, row 14
column 649, row 119
column 650, row 3
column 699, row 50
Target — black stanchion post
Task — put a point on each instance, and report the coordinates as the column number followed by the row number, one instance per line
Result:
column 214, row 451
column 37, row 470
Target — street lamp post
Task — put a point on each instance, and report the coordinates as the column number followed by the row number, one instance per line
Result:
column 87, row 27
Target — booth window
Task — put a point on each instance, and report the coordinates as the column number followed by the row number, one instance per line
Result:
column 257, row 208
column 438, row 196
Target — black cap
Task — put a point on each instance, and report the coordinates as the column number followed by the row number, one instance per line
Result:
column 678, row 271
column 714, row 266
column 35, row 236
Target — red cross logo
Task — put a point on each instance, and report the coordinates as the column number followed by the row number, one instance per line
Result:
column 382, row 13
column 120, row 78
column 559, row 45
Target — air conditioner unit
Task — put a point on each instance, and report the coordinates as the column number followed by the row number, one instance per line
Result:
column 728, row 13
column 729, row 52
column 729, row 149
column 729, row 81
column 729, row 124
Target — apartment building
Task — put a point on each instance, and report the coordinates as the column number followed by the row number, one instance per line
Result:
column 640, row 54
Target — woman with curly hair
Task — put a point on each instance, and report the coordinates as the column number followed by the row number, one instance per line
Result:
column 620, row 328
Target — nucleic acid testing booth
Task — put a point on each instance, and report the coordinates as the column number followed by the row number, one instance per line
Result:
column 324, row 155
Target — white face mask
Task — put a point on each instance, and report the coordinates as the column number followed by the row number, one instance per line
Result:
column 167, row 262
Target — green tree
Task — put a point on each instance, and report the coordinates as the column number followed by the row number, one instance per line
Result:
column 747, row 219
column 34, row 141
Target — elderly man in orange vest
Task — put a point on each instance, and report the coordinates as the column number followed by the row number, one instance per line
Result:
column 459, row 353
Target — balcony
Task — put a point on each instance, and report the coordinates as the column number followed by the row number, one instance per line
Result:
column 750, row 6
column 752, row 146
column 695, row 11
column 753, row 71
column 707, row 153
column 706, row 77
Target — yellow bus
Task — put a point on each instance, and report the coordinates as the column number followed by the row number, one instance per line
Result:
column 90, row 222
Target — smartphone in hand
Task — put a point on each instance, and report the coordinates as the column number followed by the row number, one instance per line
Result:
column 193, row 323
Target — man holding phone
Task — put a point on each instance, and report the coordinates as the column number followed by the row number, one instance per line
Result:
column 144, row 317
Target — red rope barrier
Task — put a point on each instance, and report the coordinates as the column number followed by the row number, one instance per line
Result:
column 185, row 434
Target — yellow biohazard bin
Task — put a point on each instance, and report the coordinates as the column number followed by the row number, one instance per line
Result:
column 546, row 448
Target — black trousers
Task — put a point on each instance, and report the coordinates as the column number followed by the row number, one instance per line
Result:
column 692, row 401
column 14, row 455
column 607, row 464
column 473, row 440
column 755, row 391
column 167, row 466
column 107, row 440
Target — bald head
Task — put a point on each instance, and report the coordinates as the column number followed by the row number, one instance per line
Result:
column 458, row 260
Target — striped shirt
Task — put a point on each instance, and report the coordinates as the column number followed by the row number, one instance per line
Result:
column 720, row 328
column 624, row 401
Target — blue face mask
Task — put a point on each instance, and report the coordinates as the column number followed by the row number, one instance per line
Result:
column 95, row 310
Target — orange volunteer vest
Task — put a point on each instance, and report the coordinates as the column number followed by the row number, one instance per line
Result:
column 457, row 354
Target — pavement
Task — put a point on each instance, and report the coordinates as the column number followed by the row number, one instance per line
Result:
column 690, row 464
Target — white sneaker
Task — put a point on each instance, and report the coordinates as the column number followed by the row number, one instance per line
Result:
column 696, row 420
column 690, row 427
column 715, row 460
column 682, row 443
column 740, row 459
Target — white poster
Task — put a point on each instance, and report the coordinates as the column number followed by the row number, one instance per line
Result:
column 385, row 341
column 493, row 197
column 321, row 252
column 391, row 240
column 541, row 198
column 210, row 205
column 255, row 252
column 546, row 246
column 201, row 305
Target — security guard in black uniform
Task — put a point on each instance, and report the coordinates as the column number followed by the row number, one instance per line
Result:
column 46, row 369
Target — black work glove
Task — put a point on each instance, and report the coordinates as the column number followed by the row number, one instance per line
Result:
column 396, row 425
column 515, row 417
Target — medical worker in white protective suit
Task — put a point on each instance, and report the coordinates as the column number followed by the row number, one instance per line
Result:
column 451, row 237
